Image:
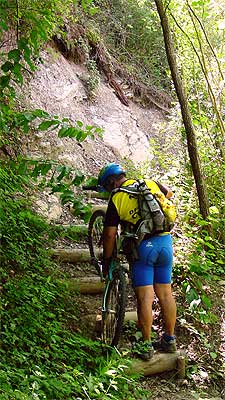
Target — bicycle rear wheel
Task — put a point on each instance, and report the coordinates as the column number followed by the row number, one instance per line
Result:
column 113, row 315
column 95, row 231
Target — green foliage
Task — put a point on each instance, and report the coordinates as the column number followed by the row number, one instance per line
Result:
column 11, row 122
column 132, row 34
column 58, row 178
column 40, row 21
column 20, row 228
column 14, row 123
column 199, row 35
column 94, row 77
column 203, row 264
column 74, row 233
column 41, row 356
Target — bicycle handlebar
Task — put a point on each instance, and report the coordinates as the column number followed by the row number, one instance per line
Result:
column 95, row 188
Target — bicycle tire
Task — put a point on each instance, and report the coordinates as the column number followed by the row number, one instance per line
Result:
column 113, row 317
column 95, row 231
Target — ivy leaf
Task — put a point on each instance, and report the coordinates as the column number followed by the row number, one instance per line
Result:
column 81, row 136
column 7, row 66
column 62, row 132
column 45, row 168
column 4, row 26
column 40, row 113
column 41, row 169
column 4, row 81
column 206, row 301
column 14, row 55
column 78, row 180
column 27, row 54
column 44, row 126
column 29, row 116
column 17, row 72
column 210, row 246
column 67, row 196
column 213, row 210
column 22, row 43
column 64, row 171
column 80, row 124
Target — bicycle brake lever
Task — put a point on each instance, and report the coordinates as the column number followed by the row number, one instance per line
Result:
column 100, row 271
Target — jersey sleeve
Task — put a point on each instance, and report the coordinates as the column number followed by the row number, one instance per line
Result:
column 112, row 217
column 162, row 188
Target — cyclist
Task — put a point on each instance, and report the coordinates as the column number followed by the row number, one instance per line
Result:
column 151, row 272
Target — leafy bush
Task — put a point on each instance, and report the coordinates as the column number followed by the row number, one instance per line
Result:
column 132, row 33
column 41, row 355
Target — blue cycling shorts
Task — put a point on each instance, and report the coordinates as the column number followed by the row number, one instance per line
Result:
column 155, row 261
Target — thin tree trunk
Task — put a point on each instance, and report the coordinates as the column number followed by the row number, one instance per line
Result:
column 186, row 115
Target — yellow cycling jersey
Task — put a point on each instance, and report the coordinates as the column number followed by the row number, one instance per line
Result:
column 127, row 205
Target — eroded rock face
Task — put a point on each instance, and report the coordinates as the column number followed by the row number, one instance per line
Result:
column 58, row 88
column 49, row 207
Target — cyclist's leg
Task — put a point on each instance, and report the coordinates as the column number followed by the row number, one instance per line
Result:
column 168, row 306
column 162, row 283
column 142, row 280
column 145, row 296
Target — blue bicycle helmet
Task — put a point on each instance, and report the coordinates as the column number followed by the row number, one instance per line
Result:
column 107, row 171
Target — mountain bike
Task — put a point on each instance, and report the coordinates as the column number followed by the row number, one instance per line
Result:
column 115, row 291
column 115, row 296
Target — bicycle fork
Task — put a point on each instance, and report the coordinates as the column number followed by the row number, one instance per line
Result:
column 112, row 268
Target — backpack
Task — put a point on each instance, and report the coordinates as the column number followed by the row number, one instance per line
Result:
column 156, row 211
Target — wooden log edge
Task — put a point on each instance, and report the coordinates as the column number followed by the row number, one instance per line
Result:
column 129, row 316
column 181, row 366
column 96, row 286
column 87, row 285
column 160, row 362
column 72, row 255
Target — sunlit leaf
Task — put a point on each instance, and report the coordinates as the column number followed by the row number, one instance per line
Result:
column 45, row 125
column 111, row 372
column 213, row 210
column 206, row 301
column 14, row 55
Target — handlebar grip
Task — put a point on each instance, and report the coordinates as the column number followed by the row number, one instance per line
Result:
column 95, row 188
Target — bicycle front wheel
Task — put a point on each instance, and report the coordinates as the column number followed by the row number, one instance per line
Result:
column 115, row 305
column 95, row 238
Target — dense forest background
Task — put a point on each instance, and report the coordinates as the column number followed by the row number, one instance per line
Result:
column 170, row 55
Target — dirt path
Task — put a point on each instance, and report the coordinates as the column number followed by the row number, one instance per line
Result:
column 165, row 386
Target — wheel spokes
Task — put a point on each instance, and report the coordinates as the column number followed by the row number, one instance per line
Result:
column 110, row 316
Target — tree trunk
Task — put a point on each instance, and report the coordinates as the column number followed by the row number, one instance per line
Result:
column 186, row 115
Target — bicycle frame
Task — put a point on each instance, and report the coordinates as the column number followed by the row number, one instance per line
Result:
column 114, row 297
column 112, row 267
column 114, row 264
